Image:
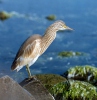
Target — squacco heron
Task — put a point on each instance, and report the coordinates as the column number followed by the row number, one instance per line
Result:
column 35, row 46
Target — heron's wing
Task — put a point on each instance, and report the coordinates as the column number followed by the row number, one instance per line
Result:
column 27, row 49
column 32, row 49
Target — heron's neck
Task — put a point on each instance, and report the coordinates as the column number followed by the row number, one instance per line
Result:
column 47, row 39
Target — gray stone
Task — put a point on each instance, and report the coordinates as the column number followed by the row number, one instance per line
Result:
column 10, row 90
column 36, row 88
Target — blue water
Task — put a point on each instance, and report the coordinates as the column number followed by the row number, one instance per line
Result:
column 29, row 19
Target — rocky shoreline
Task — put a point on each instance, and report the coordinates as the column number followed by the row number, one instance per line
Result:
column 78, row 84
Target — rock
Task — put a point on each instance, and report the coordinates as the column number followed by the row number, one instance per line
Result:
column 84, row 73
column 36, row 88
column 10, row 90
column 49, row 80
column 70, row 54
column 4, row 15
column 77, row 90
column 51, row 17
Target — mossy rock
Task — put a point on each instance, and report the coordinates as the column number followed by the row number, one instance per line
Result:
column 77, row 91
column 51, row 17
column 4, row 15
column 83, row 73
column 69, row 54
column 48, row 80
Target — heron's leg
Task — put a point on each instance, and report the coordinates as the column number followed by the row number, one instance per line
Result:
column 28, row 70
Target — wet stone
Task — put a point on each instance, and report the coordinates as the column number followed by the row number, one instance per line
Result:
column 51, row 17
column 4, row 15
column 70, row 54
column 83, row 73
column 36, row 88
column 77, row 90
column 11, row 90
column 49, row 80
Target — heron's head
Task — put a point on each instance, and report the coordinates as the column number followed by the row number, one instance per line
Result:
column 60, row 25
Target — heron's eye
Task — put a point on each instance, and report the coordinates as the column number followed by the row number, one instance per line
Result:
column 64, row 26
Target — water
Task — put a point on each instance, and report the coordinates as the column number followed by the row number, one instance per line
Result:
column 30, row 19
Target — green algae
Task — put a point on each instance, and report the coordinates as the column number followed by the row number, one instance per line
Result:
column 51, row 17
column 48, row 80
column 4, row 15
column 85, row 73
column 69, row 54
column 77, row 91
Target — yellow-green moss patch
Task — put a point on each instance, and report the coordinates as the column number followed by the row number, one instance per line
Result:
column 77, row 91
column 69, row 54
column 84, row 73
column 51, row 17
column 48, row 80
column 4, row 15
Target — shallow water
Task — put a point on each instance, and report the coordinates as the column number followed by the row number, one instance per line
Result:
column 29, row 18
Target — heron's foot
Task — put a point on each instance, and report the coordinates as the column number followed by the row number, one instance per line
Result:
column 31, row 78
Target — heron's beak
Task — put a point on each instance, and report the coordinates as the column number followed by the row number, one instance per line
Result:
column 68, row 28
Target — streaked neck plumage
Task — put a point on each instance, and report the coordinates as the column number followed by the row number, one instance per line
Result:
column 48, row 38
